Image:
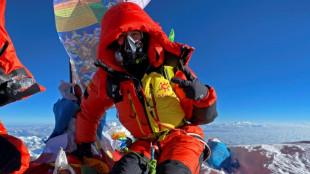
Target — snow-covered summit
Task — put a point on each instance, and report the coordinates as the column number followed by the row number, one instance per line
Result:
column 286, row 158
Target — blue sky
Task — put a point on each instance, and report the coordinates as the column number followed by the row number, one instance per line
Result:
column 254, row 53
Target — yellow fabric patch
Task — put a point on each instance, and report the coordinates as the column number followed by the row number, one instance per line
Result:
column 66, row 19
column 161, row 97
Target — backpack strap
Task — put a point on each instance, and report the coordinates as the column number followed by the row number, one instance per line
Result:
column 119, row 75
column 113, row 81
column 113, row 88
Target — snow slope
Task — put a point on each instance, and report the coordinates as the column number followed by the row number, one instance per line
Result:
column 286, row 158
column 276, row 158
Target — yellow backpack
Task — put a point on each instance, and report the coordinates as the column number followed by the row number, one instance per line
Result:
column 163, row 106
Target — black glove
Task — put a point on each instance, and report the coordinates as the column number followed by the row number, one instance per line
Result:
column 83, row 149
column 192, row 87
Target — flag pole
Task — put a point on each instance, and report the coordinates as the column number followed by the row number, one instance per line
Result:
column 70, row 74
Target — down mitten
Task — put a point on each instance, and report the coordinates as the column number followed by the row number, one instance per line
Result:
column 192, row 87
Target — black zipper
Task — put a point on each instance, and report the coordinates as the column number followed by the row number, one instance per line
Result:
column 131, row 108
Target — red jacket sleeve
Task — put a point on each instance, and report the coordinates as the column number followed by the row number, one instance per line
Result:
column 16, row 82
column 93, row 106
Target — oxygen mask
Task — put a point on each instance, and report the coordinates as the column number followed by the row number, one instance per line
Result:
column 131, row 51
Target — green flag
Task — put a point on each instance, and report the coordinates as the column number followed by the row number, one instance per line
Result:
column 171, row 35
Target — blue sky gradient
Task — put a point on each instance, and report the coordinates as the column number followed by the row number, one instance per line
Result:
column 254, row 53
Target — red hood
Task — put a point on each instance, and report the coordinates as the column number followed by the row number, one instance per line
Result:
column 128, row 16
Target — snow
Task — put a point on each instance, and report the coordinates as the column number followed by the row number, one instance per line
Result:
column 259, row 148
column 292, row 158
column 275, row 158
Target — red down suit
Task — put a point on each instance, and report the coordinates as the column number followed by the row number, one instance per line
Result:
column 14, row 156
column 16, row 82
column 173, row 145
